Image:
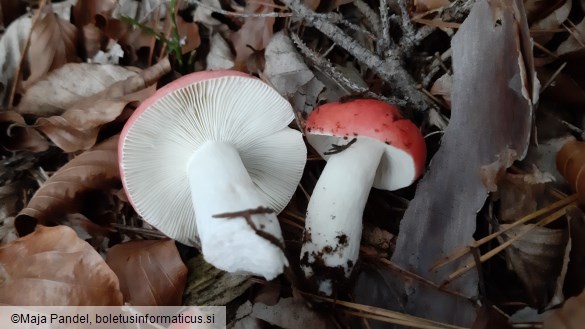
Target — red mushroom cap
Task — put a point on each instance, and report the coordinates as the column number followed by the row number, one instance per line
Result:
column 374, row 119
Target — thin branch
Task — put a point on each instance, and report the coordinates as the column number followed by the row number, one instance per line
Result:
column 328, row 69
column 235, row 14
column 390, row 69
column 372, row 18
column 385, row 41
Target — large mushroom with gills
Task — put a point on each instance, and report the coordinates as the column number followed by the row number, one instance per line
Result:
column 366, row 143
column 209, row 160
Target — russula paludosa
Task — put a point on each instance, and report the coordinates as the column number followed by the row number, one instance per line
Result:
column 366, row 143
column 210, row 158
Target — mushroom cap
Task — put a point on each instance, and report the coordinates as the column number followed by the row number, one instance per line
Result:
column 338, row 123
column 166, row 130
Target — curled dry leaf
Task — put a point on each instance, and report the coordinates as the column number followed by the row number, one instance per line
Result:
column 220, row 55
column 16, row 135
column 570, row 163
column 52, row 266
column 284, row 67
column 58, row 196
column 442, row 87
column 289, row 313
column 11, row 43
column 207, row 285
column 52, row 45
column 63, row 88
column 286, row 70
column 256, row 32
column 537, row 259
column 78, row 127
column 151, row 272
column 522, row 194
column 570, row 316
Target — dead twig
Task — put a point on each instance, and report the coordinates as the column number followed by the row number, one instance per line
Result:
column 389, row 69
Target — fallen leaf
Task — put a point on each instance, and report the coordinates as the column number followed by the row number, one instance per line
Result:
column 438, row 220
column 574, row 281
column 442, row 87
column 11, row 43
column 522, row 194
column 537, row 10
column 206, row 285
column 256, row 32
column 284, row 67
column 16, row 135
column 55, row 267
column 426, row 5
column 554, row 20
column 53, row 44
column 287, row 72
column 189, row 35
column 289, row 313
column 63, row 88
column 575, row 40
column 537, row 259
column 570, row 163
column 84, row 11
column 570, row 316
column 151, row 272
column 78, row 127
column 220, row 55
column 94, row 169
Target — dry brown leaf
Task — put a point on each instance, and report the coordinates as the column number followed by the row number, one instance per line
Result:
column 208, row 285
column 570, row 163
column 11, row 43
column 189, row 33
column 570, row 316
column 52, row 266
column 16, row 135
column 220, row 55
column 439, row 220
column 84, row 11
column 58, row 196
column 78, row 127
column 150, row 272
column 63, row 88
column 256, row 32
column 426, row 5
column 537, row 259
column 539, row 9
column 289, row 313
column 522, row 194
column 52, row 45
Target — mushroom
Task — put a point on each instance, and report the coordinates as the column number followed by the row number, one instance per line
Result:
column 366, row 143
column 209, row 160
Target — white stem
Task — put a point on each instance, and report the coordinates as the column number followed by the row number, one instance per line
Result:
column 333, row 226
column 220, row 185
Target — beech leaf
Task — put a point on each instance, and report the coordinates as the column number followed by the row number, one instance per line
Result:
column 16, row 135
column 58, row 196
column 11, row 43
column 537, row 259
column 52, row 45
column 64, row 87
column 151, row 272
column 52, row 266
column 570, row 316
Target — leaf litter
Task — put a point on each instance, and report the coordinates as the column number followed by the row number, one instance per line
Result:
column 59, row 162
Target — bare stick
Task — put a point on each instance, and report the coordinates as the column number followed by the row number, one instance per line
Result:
column 347, row 85
column 384, row 43
column 390, row 70
column 372, row 19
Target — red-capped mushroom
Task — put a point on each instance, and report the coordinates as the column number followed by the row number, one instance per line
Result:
column 366, row 143
column 210, row 158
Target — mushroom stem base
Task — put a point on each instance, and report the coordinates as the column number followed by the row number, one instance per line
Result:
column 333, row 227
column 237, row 230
